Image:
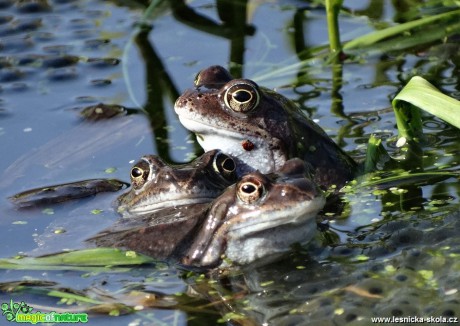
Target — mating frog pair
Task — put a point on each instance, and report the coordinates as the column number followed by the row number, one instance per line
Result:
column 249, row 199
column 256, row 131
column 170, row 213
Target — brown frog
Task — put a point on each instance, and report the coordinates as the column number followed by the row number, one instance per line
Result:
column 258, row 218
column 156, row 185
column 259, row 127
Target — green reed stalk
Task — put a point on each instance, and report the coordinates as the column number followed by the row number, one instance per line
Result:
column 332, row 13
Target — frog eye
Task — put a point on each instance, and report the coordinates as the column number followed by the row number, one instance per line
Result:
column 226, row 166
column 251, row 190
column 242, row 96
column 139, row 174
column 136, row 172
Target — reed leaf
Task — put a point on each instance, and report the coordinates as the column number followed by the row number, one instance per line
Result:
column 94, row 259
column 435, row 22
column 420, row 94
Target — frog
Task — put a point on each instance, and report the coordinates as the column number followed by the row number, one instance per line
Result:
column 259, row 127
column 156, row 185
column 255, row 220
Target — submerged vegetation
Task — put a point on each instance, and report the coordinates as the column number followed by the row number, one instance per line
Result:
column 418, row 94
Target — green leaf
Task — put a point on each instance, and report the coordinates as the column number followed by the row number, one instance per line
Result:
column 419, row 93
column 79, row 260
column 450, row 18
column 376, row 154
column 367, row 181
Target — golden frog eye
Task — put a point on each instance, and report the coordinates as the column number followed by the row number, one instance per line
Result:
column 250, row 190
column 242, row 96
column 226, row 166
column 139, row 174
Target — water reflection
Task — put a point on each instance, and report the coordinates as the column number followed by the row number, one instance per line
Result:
column 159, row 86
column 232, row 26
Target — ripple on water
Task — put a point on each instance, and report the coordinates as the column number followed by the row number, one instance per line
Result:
column 61, row 74
column 8, row 75
column 35, row 6
column 5, row 19
column 100, row 82
column 60, row 61
column 58, row 49
column 103, row 62
column 15, row 44
column 18, row 26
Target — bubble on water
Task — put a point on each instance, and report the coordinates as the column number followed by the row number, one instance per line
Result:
column 451, row 291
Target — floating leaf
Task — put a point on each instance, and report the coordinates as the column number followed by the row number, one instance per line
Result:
column 78, row 260
column 110, row 170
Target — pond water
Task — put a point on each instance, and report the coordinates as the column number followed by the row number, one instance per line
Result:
column 393, row 252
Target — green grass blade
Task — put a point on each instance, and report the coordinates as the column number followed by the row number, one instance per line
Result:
column 86, row 259
column 375, row 37
column 69, row 296
column 96, row 257
column 419, row 93
column 406, row 176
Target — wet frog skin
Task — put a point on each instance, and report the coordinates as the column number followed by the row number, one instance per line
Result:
column 259, row 127
column 258, row 218
column 156, row 185
column 162, row 234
